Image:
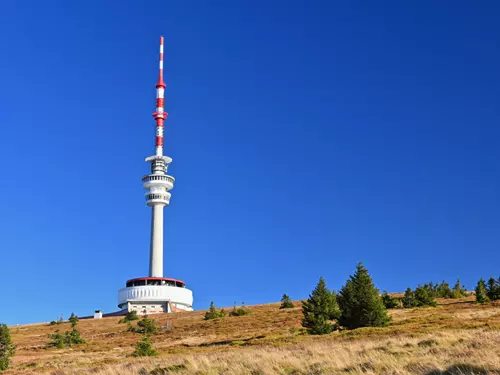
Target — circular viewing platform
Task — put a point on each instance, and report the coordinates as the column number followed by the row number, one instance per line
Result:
column 152, row 295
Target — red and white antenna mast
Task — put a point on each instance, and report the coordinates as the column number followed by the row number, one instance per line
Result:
column 160, row 115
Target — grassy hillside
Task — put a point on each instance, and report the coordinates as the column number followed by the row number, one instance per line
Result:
column 457, row 337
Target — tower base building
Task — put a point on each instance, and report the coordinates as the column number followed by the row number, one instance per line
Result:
column 155, row 293
column 152, row 295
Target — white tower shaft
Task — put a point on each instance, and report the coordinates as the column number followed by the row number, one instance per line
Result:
column 156, row 256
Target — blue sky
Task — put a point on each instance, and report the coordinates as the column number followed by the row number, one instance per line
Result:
column 306, row 136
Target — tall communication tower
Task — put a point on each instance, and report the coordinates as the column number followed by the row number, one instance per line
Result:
column 157, row 294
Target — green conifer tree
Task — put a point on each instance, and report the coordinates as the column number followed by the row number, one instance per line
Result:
column 320, row 309
column 444, row 290
column 73, row 319
column 481, row 291
column 409, row 299
column 286, row 302
column 424, row 296
column 458, row 290
column 213, row 313
column 147, row 326
column 360, row 303
column 7, row 349
column 493, row 289
column 389, row 301
column 144, row 348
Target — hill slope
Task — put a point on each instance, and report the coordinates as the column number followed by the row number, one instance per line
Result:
column 458, row 336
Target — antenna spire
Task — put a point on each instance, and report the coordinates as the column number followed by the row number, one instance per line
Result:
column 160, row 115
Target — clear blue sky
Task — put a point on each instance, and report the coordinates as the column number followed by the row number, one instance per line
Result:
column 306, row 136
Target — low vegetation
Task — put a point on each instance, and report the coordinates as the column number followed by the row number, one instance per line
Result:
column 129, row 317
column 144, row 348
column 286, row 302
column 67, row 339
column 239, row 311
column 213, row 313
column 7, row 348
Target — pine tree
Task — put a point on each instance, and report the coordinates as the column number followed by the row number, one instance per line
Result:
column 481, row 292
column 409, row 300
column 73, row 319
column 129, row 316
column 213, row 313
column 7, row 349
column 389, row 301
column 320, row 309
column 144, row 348
column 493, row 289
column 147, row 326
column 444, row 290
column 424, row 296
column 458, row 290
column 58, row 340
column 360, row 303
column 286, row 302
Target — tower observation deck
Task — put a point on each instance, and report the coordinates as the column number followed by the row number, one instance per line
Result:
column 155, row 293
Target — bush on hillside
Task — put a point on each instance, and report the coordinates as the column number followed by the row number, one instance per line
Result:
column 58, row 340
column 239, row 311
column 459, row 290
column 68, row 339
column 481, row 291
column 73, row 337
column 443, row 290
column 389, row 301
column 146, row 326
column 493, row 289
column 424, row 296
column 129, row 317
column 320, row 309
column 359, row 302
column 73, row 319
column 286, row 302
column 213, row 313
column 144, row 348
column 409, row 300
column 7, row 349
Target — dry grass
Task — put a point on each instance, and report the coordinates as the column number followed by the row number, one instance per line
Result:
column 457, row 337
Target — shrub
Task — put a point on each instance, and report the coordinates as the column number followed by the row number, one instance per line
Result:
column 444, row 290
column 129, row 316
column 147, row 326
column 409, row 300
column 481, row 292
column 58, row 340
column 320, row 308
column 493, row 289
column 73, row 319
column 7, row 349
column 69, row 338
column 286, row 302
column 144, row 348
column 239, row 311
column 424, row 296
column 74, row 337
column 213, row 313
column 389, row 301
column 360, row 303
column 458, row 290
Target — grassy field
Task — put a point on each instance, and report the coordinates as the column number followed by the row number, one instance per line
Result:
column 457, row 337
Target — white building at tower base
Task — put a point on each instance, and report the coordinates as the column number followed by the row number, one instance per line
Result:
column 155, row 295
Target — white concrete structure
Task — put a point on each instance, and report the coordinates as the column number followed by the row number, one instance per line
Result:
column 156, row 294
column 98, row 314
